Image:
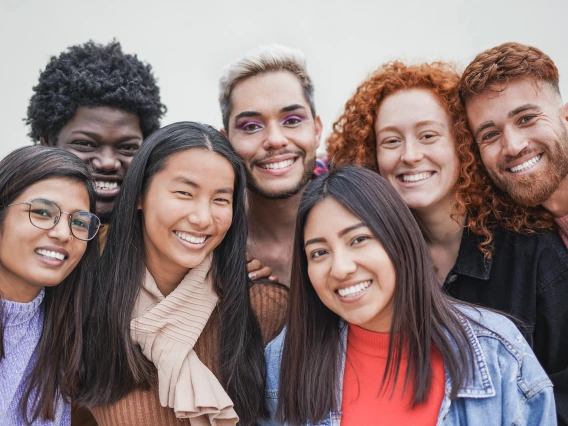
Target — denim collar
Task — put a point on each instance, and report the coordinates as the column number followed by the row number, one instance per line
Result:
column 471, row 261
column 480, row 385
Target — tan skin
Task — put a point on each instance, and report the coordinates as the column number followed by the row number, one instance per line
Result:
column 271, row 122
column 107, row 138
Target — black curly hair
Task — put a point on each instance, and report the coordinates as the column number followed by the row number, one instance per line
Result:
column 93, row 75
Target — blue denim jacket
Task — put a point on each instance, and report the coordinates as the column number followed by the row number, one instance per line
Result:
column 509, row 386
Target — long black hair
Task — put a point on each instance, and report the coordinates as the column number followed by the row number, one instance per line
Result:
column 56, row 368
column 115, row 365
column 422, row 313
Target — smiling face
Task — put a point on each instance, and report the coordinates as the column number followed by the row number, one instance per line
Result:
column 107, row 138
column 522, row 136
column 187, row 211
column 348, row 267
column 272, row 128
column 416, row 149
column 32, row 258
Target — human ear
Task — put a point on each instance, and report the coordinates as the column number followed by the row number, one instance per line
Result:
column 319, row 128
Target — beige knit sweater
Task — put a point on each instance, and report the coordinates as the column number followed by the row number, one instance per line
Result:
column 141, row 407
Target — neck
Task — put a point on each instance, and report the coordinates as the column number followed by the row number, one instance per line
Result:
column 272, row 219
column 438, row 225
column 557, row 204
column 20, row 292
column 166, row 279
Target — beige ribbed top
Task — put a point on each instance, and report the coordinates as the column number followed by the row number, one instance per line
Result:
column 142, row 407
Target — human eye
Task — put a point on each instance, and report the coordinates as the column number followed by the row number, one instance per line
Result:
column 83, row 145
column 390, row 143
column 79, row 223
column 128, row 149
column 41, row 212
column 526, row 119
column 250, row 126
column 429, row 137
column 359, row 239
column 222, row 200
column 184, row 193
column 316, row 254
column 488, row 137
column 293, row 121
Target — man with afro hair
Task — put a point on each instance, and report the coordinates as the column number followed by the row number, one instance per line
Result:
column 99, row 103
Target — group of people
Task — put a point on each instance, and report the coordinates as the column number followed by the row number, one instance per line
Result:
column 418, row 274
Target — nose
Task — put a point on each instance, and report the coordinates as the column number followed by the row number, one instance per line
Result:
column 411, row 152
column 106, row 160
column 61, row 231
column 343, row 266
column 513, row 143
column 275, row 138
column 200, row 216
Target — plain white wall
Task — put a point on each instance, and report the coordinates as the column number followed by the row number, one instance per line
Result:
column 189, row 42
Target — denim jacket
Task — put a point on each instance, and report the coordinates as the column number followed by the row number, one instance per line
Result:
column 509, row 386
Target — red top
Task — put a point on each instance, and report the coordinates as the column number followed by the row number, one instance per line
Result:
column 364, row 368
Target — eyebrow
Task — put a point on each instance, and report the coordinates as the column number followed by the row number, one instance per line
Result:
column 97, row 136
column 523, row 108
column 511, row 114
column 339, row 234
column 419, row 124
column 252, row 113
column 186, row 181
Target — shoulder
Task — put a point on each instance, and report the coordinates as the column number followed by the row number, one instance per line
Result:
column 269, row 302
column 500, row 348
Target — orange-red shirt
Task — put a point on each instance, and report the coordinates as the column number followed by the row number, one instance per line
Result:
column 364, row 368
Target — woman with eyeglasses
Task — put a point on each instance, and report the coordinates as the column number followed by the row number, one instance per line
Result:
column 371, row 339
column 174, row 337
column 47, row 254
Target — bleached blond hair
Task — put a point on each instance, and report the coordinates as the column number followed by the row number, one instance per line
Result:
column 263, row 60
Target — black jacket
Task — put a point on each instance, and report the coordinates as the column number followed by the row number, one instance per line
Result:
column 527, row 278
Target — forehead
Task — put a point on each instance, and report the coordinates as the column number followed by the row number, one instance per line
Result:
column 411, row 105
column 103, row 121
column 69, row 194
column 201, row 166
column 327, row 218
column 511, row 95
column 266, row 93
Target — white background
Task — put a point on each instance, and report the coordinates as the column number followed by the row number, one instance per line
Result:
column 188, row 42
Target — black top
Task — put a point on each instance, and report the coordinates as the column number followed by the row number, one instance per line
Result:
column 527, row 278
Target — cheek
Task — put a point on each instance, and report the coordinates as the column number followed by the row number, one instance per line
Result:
column 223, row 219
column 387, row 162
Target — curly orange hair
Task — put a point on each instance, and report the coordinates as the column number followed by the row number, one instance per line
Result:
column 495, row 67
column 353, row 141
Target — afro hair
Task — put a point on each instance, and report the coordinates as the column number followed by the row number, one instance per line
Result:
column 93, row 75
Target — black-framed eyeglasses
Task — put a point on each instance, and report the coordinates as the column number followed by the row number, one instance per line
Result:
column 45, row 214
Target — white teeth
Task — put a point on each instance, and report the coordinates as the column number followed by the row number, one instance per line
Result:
column 526, row 165
column 106, row 185
column 279, row 165
column 417, row 177
column 50, row 254
column 354, row 290
column 190, row 238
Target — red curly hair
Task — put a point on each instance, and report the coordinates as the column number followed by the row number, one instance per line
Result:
column 353, row 141
column 493, row 68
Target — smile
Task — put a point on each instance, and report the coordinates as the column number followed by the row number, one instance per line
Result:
column 190, row 238
column 50, row 254
column 105, row 185
column 354, row 290
column 280, row 165
column 416, row 177
column 526, row 165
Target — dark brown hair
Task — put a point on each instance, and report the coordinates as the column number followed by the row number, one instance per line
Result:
column 422, row 315
column 115, row 365
column 57, row 365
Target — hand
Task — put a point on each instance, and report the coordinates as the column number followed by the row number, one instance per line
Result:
column 257, row 271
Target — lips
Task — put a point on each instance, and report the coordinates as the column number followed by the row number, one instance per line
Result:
column 354, row 290
column 107, row 186
column 191, row 238
column 526, row 165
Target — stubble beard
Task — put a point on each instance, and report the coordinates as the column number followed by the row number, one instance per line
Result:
column 257, row 189
column 535, row 188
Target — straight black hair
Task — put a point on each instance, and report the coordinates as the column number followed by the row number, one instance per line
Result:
column 115, row 365
column 422, row 314
column 57, row 365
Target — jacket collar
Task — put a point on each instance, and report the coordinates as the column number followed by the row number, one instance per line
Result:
column 471, row 261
